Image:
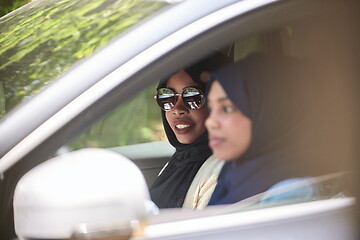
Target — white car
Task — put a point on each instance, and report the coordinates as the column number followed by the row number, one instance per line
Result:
column 79, row 77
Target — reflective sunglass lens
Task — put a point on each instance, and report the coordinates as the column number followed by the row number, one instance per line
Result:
column 168, row 106
column 193, row 98
column 166, row 99
column 165, row 93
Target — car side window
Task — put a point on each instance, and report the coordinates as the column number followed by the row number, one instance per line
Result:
column 39, row 43
column 137, row 121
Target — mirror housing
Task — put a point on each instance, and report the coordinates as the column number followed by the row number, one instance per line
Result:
column 88, row 193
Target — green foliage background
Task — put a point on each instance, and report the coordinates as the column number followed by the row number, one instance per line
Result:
column 137, row 121
column 7, row 6
column 41, row 40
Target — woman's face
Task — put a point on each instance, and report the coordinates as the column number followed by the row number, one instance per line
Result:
column 229, row 130
column 188, row 125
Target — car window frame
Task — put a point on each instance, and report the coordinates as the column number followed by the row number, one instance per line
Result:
column 26, row 117
column 119, row 83
column 172, row 52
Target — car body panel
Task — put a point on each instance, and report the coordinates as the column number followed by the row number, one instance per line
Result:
column 330, row 219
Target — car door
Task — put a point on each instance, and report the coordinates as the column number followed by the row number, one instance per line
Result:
column 245, row 26
column 294, row 28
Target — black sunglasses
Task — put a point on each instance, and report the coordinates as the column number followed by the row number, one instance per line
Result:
column 192, row 97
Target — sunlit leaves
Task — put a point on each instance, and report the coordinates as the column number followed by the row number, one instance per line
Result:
column 136, row 121
column 45, row 38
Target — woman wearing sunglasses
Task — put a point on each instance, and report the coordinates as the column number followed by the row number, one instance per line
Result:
column 182, row 101
column 260, row 125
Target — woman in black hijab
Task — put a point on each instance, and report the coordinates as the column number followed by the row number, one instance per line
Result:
column 259, row 124
column 183, row 121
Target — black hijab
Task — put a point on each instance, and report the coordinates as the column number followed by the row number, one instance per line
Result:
column 170, row 188
column 274, row 93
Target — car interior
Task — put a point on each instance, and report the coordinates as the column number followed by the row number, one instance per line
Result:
column 308, row 38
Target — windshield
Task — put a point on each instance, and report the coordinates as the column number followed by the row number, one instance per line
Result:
column 44, row 38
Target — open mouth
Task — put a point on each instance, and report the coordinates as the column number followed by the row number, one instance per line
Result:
column 181, row 126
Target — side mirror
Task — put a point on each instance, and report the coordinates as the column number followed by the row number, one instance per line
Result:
column 86, row 194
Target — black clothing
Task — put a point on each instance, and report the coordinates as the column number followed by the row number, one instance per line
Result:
column 170, row 188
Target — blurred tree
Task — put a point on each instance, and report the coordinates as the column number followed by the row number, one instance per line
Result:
column 45, row 38
column 7, row 6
